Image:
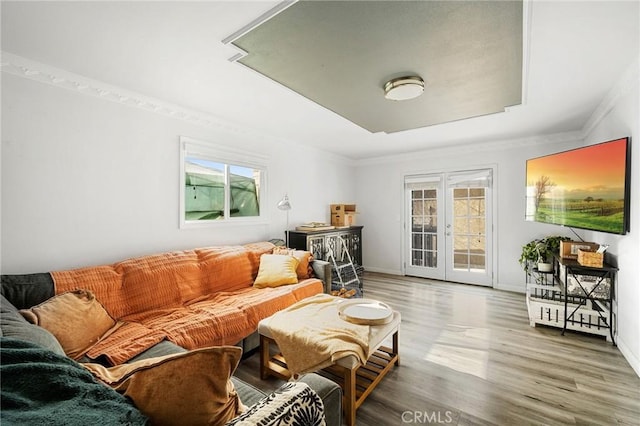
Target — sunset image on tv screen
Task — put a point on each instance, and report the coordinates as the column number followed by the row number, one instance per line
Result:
column 581, row 188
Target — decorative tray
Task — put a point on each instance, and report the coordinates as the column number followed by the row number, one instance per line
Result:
column 365, row 312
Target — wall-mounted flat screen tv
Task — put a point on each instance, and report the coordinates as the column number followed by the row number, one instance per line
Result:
column 587, row 188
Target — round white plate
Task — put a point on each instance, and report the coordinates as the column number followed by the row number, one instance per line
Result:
column 365, row 311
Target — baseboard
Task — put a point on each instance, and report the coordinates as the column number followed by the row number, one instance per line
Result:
column 383, row 271
column 633, row 360
column 515, row 288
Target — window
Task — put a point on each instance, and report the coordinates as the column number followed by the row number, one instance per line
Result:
column 219, row 185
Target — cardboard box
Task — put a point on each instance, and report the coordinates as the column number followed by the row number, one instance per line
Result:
column 569, row 249
column 342, row 208
column 343, row 219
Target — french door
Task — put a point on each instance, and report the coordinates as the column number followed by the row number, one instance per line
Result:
column 449, row 225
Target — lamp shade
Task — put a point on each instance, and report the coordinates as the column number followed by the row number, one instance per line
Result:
column 284, row 204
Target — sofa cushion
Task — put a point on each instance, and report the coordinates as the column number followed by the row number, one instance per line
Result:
column 225, row 268
column 160, row 349
column 129, row 340
column 210, row 324
column 137, row 284
column 13, row 325
column 255, row 251
column 225, row 318
column 104, row 281
column 157, row 281
column 307, row 288
column 257, row 304
column 230, row 268
column 188, row 388
column 276, row 270
column 76, row 319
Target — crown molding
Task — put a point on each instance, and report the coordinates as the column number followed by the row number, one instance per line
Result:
column 32, row 70
column 257, row 22
column 627, row 83
column 471, row 147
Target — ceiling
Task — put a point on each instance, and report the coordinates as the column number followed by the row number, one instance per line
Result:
column 574, row 52
column 341, row 53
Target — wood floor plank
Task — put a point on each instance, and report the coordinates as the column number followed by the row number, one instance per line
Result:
column 469, row 357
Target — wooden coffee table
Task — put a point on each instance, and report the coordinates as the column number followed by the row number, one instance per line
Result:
column 357, row 380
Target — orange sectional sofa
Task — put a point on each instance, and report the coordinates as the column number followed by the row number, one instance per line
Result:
column 193, row 298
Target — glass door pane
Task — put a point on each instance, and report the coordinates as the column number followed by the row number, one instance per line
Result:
column 469, row 230
column 424, row 228
column 423, row 235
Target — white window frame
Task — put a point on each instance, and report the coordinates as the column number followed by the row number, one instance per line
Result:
column 190, row 147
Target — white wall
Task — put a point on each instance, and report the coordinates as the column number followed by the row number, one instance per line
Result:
column 87, row 181
column 624, row 120
column 381, row 205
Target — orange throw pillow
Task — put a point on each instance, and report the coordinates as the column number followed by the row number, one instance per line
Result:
column 76, row 318
column 190, row 388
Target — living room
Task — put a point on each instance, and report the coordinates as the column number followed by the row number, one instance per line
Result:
column 95, row 99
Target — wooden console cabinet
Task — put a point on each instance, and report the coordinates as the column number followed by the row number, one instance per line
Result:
column 319, row 242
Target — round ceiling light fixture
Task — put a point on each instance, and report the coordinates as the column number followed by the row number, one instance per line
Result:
column 403, row 88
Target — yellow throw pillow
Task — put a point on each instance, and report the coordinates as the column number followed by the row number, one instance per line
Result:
column 189, row 388
column 276, row 270
column 76, row 318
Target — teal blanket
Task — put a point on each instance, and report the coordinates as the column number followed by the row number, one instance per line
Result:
column 41, row 387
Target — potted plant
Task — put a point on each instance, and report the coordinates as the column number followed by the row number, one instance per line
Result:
column 544, row 257
column 540, row 252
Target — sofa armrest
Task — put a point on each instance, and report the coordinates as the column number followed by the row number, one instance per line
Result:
column 331, row 395
column 322, row 270
column 292, row 403
column 27, row 290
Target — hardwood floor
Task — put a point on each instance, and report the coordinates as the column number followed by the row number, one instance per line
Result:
column 469, row 357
